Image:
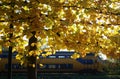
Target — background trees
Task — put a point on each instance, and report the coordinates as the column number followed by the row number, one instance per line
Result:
column 80, row 25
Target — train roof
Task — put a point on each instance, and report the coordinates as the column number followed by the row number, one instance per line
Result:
column 60, row 53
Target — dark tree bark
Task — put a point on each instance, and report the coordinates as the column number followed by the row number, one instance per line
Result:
column 10, row 56
column 32, row 71
column 10, row 63
column 10, row 47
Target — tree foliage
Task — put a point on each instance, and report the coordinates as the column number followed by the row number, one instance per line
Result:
column 80, row 25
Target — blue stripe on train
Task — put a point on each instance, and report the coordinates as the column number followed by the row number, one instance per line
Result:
column 85, row 61
column 57, row 54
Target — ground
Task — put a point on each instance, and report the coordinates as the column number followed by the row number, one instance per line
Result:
column 63, row 76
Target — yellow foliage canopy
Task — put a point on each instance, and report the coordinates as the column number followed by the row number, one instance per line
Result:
column 80, row 25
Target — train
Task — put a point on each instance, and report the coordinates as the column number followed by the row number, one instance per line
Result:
column 59, row 62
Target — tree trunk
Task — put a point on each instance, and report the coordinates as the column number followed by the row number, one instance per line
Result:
column 10, row 63
column 32, row 71
column 10, row 56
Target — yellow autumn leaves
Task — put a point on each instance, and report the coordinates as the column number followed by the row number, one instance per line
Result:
column 34, row 53
column 80, row 25
column 75, row 56
column 33, row 65
column 0, row 49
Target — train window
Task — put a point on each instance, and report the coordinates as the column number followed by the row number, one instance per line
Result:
column 58, row 66
column 90, row 61
column 61, row 56
column 62, row 66
column 69, row 66
column 52, row 57
column 68, row 56
column 51, row 66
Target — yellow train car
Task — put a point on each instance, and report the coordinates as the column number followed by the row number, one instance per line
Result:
column 60, row 62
